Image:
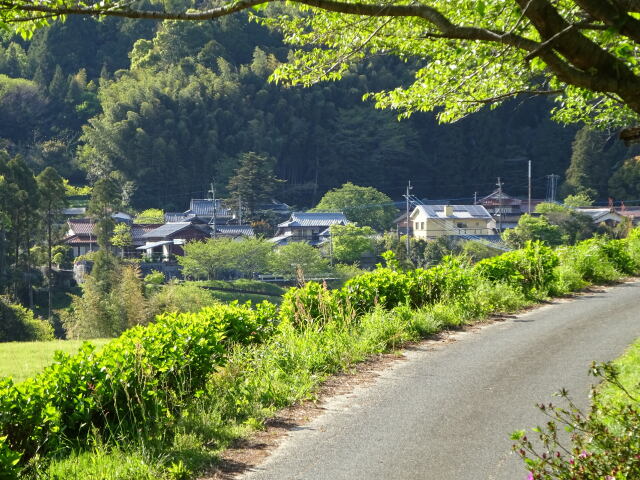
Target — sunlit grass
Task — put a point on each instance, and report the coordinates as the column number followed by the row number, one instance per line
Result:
column 21, row 360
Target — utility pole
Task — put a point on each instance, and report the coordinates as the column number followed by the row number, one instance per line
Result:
column 499, row 184
column 529, row 198
column 408, row 243
column 239, row 210
column 212, row 191
column 475, row 198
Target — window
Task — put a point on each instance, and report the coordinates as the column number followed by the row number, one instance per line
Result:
column 461, row 225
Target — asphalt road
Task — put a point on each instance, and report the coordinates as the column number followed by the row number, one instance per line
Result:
column 447, row 411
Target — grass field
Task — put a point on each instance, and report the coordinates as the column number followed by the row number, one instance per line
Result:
column 24, row 359
column 629, row 367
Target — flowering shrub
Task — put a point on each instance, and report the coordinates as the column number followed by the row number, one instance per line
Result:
column 605, row 443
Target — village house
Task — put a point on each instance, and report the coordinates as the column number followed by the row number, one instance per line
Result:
column 607, row 215
column 82, row 234
column 202, row 210
column 429, row 222
column 310, row 227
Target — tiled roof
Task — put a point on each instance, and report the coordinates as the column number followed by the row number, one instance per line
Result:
column 315, row 219
column 246, row 230
column 166, row 230
column 139, row 230
column 497, row 196
column 82, row 226
column 76, row 239
column 204, row 208
column 459, row 211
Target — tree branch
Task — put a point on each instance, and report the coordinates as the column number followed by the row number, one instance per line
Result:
column 613, row 16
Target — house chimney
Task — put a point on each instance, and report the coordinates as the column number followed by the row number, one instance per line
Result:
column 448, row 210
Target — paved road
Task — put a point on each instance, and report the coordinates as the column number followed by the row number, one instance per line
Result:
column 446, row 412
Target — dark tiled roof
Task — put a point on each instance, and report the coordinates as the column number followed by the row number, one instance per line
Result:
column 235, row 230
column 139, row 230
column 205, row 207
column 166, row 230
column 315, row 219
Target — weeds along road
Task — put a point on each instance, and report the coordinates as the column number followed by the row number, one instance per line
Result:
column 447, row 411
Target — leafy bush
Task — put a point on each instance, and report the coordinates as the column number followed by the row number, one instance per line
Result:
column 617, row 251
column 314, row 304
column 8, row 461
column 531, row 268
column 590, row 261
column 136, row 385
column 18, row 324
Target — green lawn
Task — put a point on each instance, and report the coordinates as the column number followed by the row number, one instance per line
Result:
column 24, row 359
column 629, row 367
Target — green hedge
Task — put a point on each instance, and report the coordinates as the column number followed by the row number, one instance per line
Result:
column 17, row 324
column 135, row 385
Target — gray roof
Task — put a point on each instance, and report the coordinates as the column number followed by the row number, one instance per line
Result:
column 203, row 207
column 166, row 230
column 315, row 219
column 459, row 211
column 244, row 230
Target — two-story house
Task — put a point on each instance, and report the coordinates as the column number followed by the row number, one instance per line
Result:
column 310, row 227
column 433, row 221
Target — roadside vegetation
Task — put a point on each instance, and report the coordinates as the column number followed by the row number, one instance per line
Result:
column 163, row 399
column 602, row 443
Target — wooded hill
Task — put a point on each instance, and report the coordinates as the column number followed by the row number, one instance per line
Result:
column 172, row 105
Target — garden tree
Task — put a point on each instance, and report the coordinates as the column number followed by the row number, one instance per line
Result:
column 349, row 242
column 430, row 252
column 106, row 199
column 250, row 256
column 98, row 313
column 296, row 257
column 591, row 164
column 582, row 51
column 151, row 215
column 217, row 256
column 122, row 237
column 532, row 228
column 364, row 205
column 253, row 182
column 624, row 184
column 578, row 200
column 573, row 226
column 477, row 251
column 52, row 200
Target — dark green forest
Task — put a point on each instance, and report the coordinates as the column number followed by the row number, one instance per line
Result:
column 174, row 105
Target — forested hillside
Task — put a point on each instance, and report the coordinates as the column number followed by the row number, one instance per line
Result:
column 173, row 105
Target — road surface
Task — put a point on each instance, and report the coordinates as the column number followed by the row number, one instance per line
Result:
column 447, row 411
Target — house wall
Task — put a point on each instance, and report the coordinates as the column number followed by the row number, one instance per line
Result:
column 428, row 229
